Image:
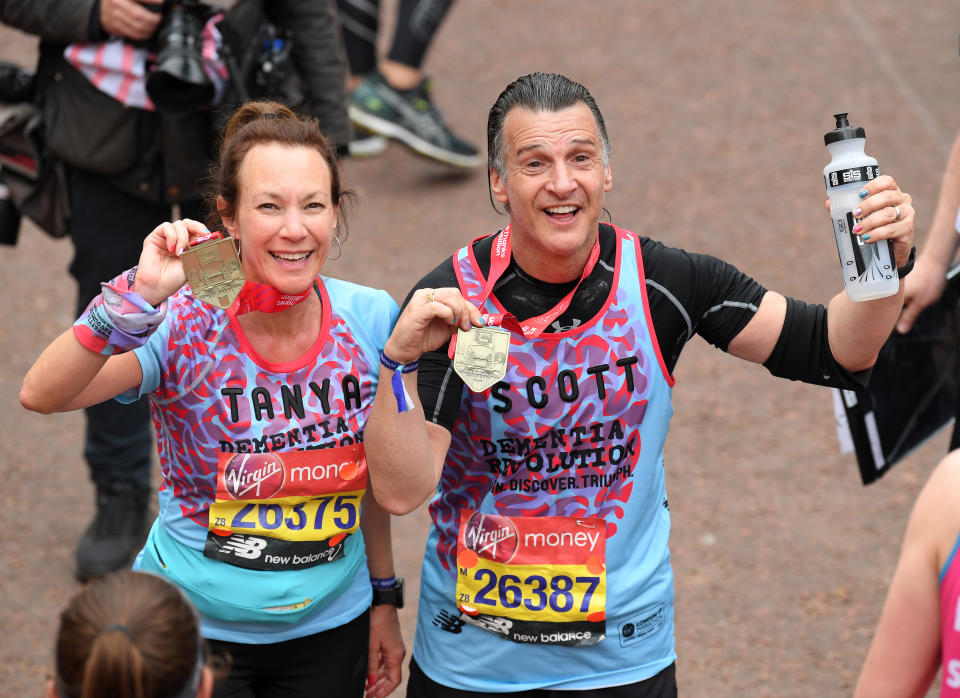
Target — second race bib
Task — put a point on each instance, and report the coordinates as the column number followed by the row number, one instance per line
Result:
column 535, row 580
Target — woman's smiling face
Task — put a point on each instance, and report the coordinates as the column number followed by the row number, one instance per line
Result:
column 285, row 218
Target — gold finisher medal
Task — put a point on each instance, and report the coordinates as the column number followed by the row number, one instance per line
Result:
column 481, row 356
column 214, row 272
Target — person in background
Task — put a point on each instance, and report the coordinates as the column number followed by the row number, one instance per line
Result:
column 391, row 98
column 927, row 282
column 539, row 437
column 919, row 628
column 130, row 167
column 260, row 375
column 925, row 285
column 130, row 635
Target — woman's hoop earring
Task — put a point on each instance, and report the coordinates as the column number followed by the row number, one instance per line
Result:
column 339, row 249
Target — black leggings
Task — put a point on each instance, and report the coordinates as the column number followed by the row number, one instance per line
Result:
column 331, row 663
column 417, row 22
column 662, row 685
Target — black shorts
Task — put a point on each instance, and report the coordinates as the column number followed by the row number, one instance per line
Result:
column 662, row 685
column 331, row 663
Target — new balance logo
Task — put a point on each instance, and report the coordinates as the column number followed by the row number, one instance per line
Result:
column 244, row 546
column 449, row 622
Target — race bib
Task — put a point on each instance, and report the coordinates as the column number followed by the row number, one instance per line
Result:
column 286, row 511
column 535, row 580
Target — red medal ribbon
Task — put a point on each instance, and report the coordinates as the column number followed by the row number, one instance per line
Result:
column 256, row 296
column 264, row 299
column 535, row 326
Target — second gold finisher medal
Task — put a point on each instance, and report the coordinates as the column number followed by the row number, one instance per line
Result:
column 481, row 356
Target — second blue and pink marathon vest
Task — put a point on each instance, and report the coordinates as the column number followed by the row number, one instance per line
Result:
column 547, row 561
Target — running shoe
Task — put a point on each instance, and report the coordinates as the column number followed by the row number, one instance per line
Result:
column 410, row 117
column 366, row 144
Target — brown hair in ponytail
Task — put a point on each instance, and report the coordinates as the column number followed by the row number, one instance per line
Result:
column 129, row 634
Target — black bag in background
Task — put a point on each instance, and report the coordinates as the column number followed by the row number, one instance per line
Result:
column 913, row 390
column 109, row 144
column 34, row 180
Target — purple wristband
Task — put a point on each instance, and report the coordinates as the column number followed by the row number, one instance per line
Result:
column 404, row 401
column 118, row 320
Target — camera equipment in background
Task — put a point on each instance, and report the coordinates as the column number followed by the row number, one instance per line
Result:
column 178, row 84
column 17, row 85
column 274, row 75
column 258, row 54
column 261, row 66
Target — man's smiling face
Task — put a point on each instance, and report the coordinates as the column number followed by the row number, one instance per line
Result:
column 554, row 183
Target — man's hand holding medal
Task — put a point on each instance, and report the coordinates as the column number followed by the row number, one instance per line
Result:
column 428, row 321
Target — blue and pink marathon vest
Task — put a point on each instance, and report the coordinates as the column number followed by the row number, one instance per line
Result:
column 950, row 624
column 263, row 467
column 547, row 561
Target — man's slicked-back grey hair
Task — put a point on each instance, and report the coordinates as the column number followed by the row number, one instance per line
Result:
column 538, row 92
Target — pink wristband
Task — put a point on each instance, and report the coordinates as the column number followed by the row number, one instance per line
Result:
column 118, row 320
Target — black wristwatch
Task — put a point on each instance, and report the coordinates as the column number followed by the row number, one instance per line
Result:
column 392, row 596
column 908, row 267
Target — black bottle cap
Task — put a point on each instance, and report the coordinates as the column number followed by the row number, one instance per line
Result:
column 844, row 131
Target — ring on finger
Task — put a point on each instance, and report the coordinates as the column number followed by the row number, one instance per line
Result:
column 896, row 211
column 430, row 297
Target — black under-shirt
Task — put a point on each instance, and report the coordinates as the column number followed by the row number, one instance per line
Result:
column 688, row 294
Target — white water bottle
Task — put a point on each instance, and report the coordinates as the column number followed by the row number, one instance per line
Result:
column 869, row 269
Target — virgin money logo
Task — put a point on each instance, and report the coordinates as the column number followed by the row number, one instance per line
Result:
column 491, row 537
column 254, row 475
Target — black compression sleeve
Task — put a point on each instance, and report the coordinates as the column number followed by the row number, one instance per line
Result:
column 803, row 351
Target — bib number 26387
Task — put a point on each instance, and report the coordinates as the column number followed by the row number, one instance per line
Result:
column 536, row 580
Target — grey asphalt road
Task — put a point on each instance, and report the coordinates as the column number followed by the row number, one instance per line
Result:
column 716, row 112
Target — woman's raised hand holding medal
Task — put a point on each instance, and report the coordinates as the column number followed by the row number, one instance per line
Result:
column 160, row 272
